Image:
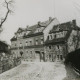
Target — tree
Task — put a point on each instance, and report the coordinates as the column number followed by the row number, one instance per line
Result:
column 3, row 20
column 76, row 40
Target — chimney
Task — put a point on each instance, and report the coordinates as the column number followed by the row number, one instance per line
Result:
column 50, row 18
column 27, row 26
column 39, row 23
column 74, row 23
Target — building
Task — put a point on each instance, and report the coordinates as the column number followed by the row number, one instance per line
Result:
column 61, row 40
column 28, row 43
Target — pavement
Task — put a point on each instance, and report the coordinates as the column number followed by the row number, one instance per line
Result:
column 36, row 71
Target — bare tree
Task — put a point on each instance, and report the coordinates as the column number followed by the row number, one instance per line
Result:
column 3, row 20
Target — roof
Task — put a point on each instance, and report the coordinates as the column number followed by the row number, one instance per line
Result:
column 13, row 39
column 58, row 40
column 60, row 28
column 4, row 43
column 39, row 25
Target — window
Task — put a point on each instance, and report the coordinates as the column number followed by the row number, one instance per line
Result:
column 30, row 42
column 49, row 47
column 36, row 41
column 58, row 57
column 15, row 44
column 30, row 54
column 26, row 43
column 20, row 44
column 50, row 36
column 61, row 57
column 55, row 36
column 26, row 51
column 42, row 40
column 58, row 46
column 49, row 56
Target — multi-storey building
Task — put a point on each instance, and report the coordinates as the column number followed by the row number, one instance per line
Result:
column 29, row 42
column 61, row 40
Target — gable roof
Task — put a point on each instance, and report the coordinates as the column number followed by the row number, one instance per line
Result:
column 39, row 25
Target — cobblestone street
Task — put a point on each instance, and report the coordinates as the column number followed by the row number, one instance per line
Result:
column 36, row 71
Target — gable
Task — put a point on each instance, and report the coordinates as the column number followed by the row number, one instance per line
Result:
column 49, row 27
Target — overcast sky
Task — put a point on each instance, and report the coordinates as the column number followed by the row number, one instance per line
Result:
column 29, row 12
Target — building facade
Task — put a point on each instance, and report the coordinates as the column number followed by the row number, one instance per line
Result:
column 46, row 41
column 61, row 40
column 28, row 43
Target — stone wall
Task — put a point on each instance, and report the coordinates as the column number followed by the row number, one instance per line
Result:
column 8, row 62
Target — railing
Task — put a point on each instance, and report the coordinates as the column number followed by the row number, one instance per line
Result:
column 33, row 46
column 14, row 48
column 77, row 71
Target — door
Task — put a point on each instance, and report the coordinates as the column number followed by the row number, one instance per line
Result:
column 37, row 56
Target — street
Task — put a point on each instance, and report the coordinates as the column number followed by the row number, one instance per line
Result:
column 39, row 71
column 36, row 71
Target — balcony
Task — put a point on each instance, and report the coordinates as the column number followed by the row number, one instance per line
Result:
column 33, row 46
column 14, row 48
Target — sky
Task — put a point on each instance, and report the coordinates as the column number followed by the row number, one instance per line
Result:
column 29, row 12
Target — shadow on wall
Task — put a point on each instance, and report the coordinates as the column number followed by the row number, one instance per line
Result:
column 74, row 58
column 71, row 75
